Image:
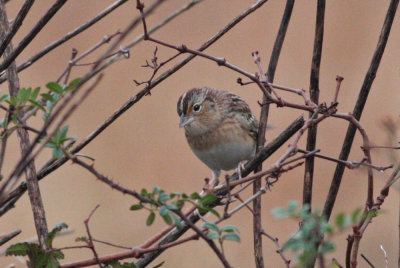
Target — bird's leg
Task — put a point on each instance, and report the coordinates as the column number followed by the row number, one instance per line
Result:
column 215, row 175
column 240, row 167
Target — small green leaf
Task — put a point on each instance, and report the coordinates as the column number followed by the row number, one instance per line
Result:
column 37, row 104
column 85, row 156
column 177, row 221
column 172, row 206
column 58, row 152
column 229, row 228
column 211, row 226
column 35, row 93
column 167, row 219
column 180, row 203
column 212, row 235
column 136, row 207
column 48, row 97
column 185, row 196
column 342, row 221
column 55, row 87
column 4, row 97
column 19, row 249
column 195, row 196
column 231, row 236
column 156, row 190
column 54, row 232
column 143, row 192
column 73, row 84
column 163, row 210
column 356, row 215
column 208, row 199
column 150, row 219
column 163, row 197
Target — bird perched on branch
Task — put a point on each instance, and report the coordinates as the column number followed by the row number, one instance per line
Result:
column 219, row 127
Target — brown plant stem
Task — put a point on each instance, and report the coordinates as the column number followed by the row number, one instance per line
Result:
column 5, row 238
column 314, row 95
column 30, row 172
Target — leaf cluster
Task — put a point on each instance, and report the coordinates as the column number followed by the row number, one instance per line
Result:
column 38, row 257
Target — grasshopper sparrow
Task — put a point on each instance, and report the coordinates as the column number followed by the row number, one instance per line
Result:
column 219, row 127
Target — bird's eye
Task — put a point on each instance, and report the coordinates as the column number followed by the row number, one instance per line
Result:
column 197, row 107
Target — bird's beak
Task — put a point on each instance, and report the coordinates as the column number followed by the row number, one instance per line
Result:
column 183, row 120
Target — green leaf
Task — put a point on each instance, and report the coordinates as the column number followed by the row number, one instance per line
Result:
column 185, row 196
column 156, row 190
column 213, row 211
column 167, row 219
column 48, row 97
column 73, row 84
column 58, row 152
column 19, row 249
column 280, row 213
column 195, row 196
column 23, row 95
column 292, row 206
column 55, row 87
column 4, row 97
column 342, row 221
column 356, row 215
column 150, row 219
column 37, row 104
column 212, row 235
column 229, row 228
column 163, row 210
column 208, row 199
column 163, row 197
column 172, row 206
column 85, row 156
column 231, row 236
column 177, row 221
column 143, row 192
column 180, row 203
column 211, row 226
column 136, row 207
column 54, row 232
column 35, row 93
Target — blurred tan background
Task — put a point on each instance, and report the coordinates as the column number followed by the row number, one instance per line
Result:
column 146, row 148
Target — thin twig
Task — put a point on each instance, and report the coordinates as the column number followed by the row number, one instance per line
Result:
column 369, row 263
column 90, row 242
column 5, row 238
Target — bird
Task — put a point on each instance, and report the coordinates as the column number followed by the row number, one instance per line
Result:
column 219, row 127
